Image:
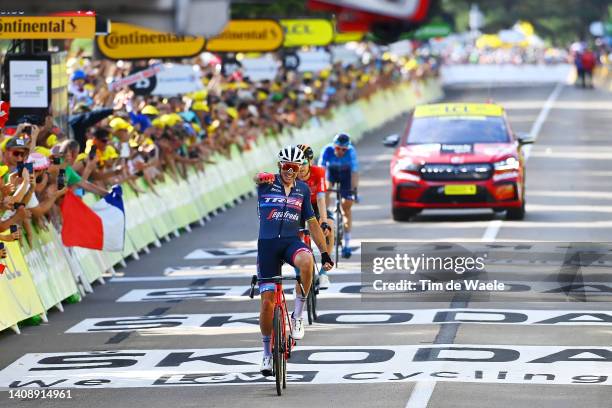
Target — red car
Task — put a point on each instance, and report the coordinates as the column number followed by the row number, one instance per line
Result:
column 458, row 155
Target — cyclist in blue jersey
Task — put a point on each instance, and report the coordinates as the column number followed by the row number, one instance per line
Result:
column 283, row 202
column 342, row 168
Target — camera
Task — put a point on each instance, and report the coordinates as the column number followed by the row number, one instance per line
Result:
column 61, row 179
column 13, row 228
column 57, row 161
column 22, row 165
column 92, row 152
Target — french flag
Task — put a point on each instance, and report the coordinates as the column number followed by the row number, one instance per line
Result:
column 100, row 227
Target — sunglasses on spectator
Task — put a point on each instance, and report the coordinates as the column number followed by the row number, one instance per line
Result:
column 290, row 167
column 18, row 153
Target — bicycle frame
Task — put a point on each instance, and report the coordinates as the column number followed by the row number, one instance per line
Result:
column 279, row 302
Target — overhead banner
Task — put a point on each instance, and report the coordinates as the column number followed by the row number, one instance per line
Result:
column 307, row 32
column 127, row 41
column 248, row 36
column 341, row 38
column 47, row 27
column 401, row 9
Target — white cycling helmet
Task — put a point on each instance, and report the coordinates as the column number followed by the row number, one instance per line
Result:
column 291, row 154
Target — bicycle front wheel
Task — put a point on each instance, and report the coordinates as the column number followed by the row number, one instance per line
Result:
column 278, row 351
column 339, row 235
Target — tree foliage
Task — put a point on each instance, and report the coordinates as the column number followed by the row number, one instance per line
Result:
column 559, row 21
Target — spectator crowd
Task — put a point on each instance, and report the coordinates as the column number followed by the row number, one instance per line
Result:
column 115, row 136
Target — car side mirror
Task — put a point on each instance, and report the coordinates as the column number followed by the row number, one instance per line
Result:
column 524, row 138
column 391, row 140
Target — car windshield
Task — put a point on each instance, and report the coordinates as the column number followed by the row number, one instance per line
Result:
column 458, row 130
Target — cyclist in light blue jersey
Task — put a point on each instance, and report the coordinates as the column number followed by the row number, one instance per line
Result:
column 342, row 168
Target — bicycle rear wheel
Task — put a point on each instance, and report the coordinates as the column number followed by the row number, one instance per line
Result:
column 278, row 351
column 339, row 234
column 311, row 300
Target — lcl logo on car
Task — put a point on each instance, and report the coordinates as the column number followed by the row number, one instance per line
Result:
column 316, row 365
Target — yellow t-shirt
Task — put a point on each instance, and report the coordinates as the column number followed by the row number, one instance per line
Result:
column 109, row 152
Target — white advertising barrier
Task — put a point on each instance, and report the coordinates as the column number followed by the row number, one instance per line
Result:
column 258, row 69
column 175, row 79
column 50, row 269
column 505, row 74
column 314, row 60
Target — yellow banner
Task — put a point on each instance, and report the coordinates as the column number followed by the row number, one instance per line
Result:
column 126, row 41
column 18, row 297
column 248, row 36
column 307, row 32
column 341, row 38
column 47, row 27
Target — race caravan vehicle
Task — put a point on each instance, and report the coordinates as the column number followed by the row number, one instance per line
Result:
column 458, row 155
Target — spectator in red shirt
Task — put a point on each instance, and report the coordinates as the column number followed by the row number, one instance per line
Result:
column 589, row 60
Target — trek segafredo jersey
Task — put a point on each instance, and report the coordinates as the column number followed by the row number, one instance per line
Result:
column 279, row 214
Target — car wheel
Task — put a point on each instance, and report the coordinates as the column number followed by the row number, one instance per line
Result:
column 516, row 214
column 404, row 214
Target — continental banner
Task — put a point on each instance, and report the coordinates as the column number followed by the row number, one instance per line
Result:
column 307, row 32
column 18, row 295
column 47, row 27
column 248, row 36
column 127, row 41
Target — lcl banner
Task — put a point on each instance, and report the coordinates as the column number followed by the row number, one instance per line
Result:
column 307, row 32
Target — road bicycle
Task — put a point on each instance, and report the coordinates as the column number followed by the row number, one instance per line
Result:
column 311, row 299
column 339, row 221
column 282, row 342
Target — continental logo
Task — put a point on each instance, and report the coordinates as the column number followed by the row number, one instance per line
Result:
column 253, row 35
column 114, row 40
column 20, row 26
column 47, row 27
column 127, row 41
column 248, row 36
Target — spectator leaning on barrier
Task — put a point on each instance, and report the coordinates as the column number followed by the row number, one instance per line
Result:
column 69, row 151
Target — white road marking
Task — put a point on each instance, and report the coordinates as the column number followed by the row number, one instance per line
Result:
column 423, row 391
column 216, row 323
column 501, row 364
column 491, row 231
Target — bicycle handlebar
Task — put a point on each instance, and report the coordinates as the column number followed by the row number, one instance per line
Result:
column 275, row 279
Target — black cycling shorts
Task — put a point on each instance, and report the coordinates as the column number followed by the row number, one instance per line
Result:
column 272, row 253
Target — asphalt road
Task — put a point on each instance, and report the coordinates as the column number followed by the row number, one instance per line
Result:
column 155, row 343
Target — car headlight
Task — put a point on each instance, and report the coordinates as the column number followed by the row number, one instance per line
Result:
column 407, row 166
column 511, row 163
